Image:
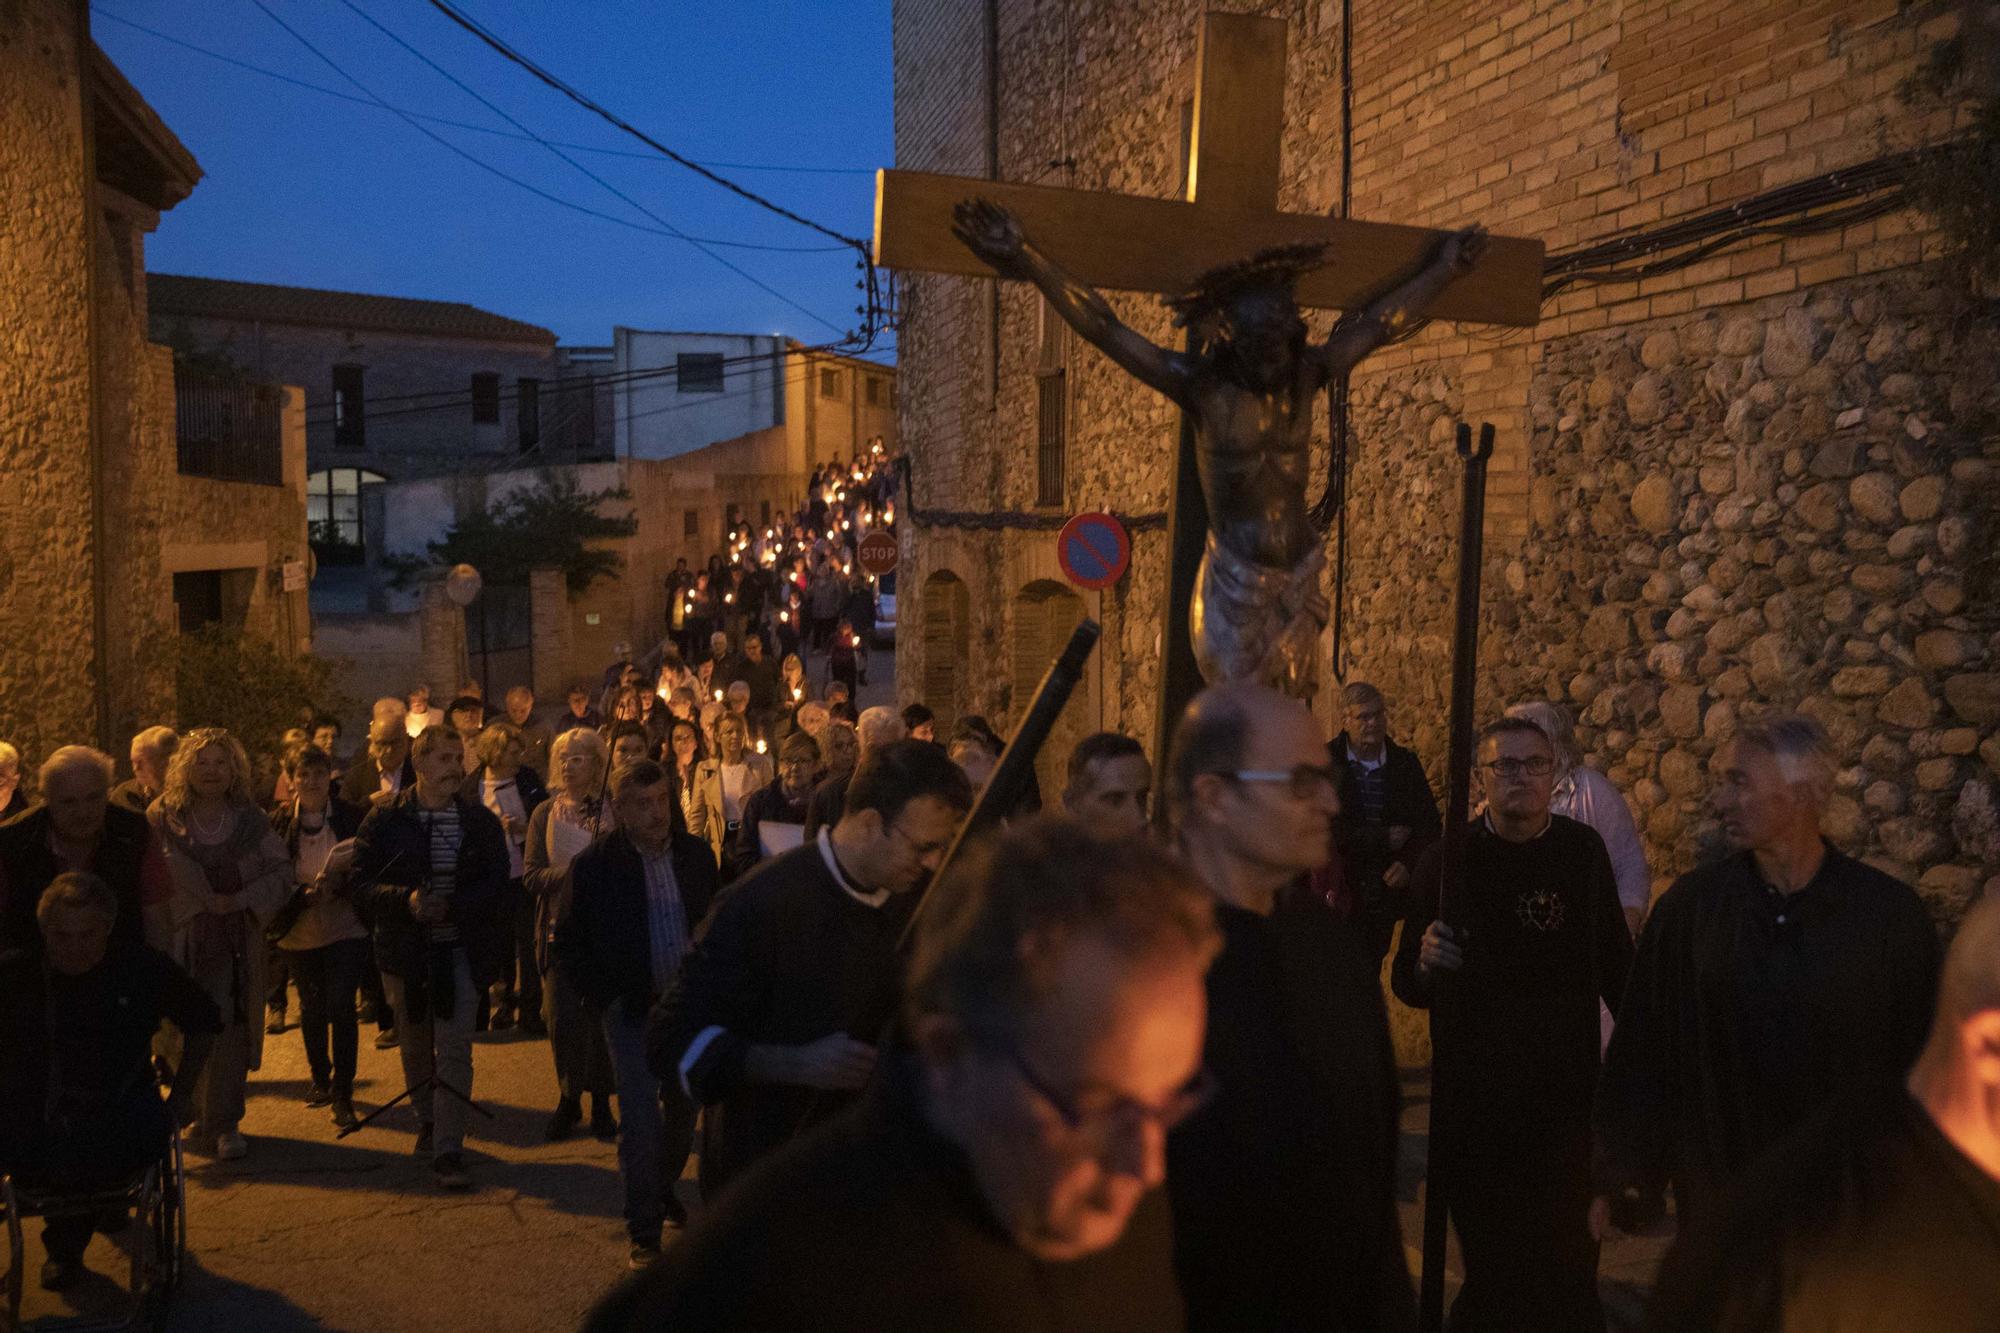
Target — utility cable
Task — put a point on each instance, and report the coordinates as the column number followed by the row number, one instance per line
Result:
column 429, row 133
column 321, row 88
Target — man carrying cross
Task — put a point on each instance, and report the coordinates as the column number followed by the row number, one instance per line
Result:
column 1248, row 383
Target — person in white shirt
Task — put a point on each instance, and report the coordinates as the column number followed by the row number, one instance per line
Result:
column 419, row 714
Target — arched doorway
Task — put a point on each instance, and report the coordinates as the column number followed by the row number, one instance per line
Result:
column 946, row 612
column 1045, row 614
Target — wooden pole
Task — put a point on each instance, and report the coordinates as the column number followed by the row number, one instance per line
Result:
column 1457, row 801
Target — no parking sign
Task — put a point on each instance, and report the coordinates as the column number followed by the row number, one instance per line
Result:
column 1094, row 550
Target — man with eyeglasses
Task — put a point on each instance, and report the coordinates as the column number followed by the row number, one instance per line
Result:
column 1283, row 1188
column 772, row 1022
column 1534, row 936
column 1003, row 1172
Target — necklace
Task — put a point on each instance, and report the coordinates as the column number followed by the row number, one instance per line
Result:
column 203, row 830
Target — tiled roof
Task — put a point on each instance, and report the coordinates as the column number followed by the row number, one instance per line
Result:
column 218, row 298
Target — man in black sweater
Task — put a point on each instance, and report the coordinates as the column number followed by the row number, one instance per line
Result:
column 1881, row 1213
column 1002, row 1174
column 1512, row 971
column 1283, row 1188
column 1388, row 815
column 1766, row 985
column 634, row 899
column 772, row 1022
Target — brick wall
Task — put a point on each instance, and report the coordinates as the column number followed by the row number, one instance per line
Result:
column 1571, row 122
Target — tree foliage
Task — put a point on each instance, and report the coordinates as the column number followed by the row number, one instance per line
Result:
column 224, row 677
column 552, row 524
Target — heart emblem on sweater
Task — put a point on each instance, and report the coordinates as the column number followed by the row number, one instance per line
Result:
column 1540, row 910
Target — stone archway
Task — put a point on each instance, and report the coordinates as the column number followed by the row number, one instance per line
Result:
column 1045, row 613
column 947, row 645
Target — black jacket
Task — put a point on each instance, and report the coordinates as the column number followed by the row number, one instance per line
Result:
column 1364, row 848
column 27, row 865
column 362, row 779
column 875, row 1223
column 768, row 802
column 601, row 941
column 392, row 856
column 345, row 817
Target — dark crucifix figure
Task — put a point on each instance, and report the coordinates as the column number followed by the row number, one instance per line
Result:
column 1248, row 383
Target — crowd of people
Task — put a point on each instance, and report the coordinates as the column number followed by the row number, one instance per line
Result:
column 1129, row 1066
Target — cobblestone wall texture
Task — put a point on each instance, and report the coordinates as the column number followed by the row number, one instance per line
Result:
column 1760, row 481
column 44, row 385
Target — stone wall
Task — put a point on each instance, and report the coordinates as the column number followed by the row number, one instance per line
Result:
column 1780, row 505
column 46, row 698
column 1689, row 435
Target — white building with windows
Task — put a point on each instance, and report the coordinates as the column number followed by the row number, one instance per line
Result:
column 675, row 392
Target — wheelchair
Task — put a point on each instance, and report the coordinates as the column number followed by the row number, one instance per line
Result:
column 156, row 1197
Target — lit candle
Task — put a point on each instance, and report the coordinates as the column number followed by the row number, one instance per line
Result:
column 797, row 693
column 785, row 617
column 718, row 696
column 728, row 598
column 761, row 747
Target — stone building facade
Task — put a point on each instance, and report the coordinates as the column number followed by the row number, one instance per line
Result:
column 102, row 524
column 1763, row 480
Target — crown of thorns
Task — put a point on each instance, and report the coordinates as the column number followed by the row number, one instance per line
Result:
column 1279, row 267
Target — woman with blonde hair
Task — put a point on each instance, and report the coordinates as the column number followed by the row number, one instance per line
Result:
column 726, row 780
column 12, row 799
column 231, row 874
column 560, row 827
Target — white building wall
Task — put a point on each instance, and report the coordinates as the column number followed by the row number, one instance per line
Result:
column 658, row 417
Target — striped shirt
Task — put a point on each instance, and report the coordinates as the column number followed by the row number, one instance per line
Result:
column 442, row 828
column 666, row 918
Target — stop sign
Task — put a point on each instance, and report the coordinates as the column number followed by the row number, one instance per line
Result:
column 877, row 552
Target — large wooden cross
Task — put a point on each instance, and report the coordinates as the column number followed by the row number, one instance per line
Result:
column 1130, row 243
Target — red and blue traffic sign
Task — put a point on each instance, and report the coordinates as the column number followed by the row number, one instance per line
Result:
column 1094, row 550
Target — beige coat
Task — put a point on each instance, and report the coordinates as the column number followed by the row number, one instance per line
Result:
column 266, row 871
column 705, row 797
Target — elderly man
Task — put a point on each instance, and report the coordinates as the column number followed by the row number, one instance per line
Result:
column 875, row 728
column 1534, row 938
column 770, row 1022
column 1110, row 785
column 1284, row 1187
column 635, row 897
column 1387, row 814
column 151, row 749
column 384, row 769
column 1882, row 1213
column 1003, row 1172
column 78, row 1012
column 1766, row 983
column 77, row 828
column 536, row 734
column 433, row 869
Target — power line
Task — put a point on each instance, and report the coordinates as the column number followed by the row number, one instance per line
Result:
column 429, row 133
column 496, row 110
column 321, row 88
column 470, row 25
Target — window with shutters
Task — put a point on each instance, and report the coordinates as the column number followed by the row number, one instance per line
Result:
column 947, row 639
column 1052, row 384
column 528, row 412
column 485, row 398
column 690, row 524
column 350, row 408
column 874, row 391
column 1045, row 614
column 832, row 383
column 698, row 372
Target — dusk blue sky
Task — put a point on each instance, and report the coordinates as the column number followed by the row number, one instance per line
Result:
column 307, row 189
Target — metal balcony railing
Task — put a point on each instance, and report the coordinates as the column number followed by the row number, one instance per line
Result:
column 229, row 429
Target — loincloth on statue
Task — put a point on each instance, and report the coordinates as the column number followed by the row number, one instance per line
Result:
column 1258, row 622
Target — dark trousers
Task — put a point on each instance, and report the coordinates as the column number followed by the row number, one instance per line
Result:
column 98, row 1151
column 280, row 977
column 520, row 982
column 1520, row 1201
column 371, row 995
column 329, row 978
column 655, row 1127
